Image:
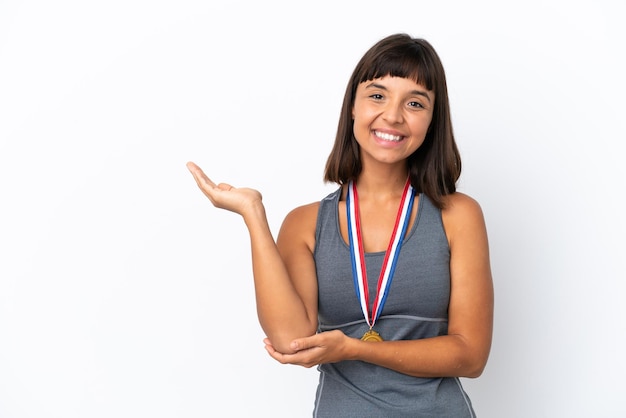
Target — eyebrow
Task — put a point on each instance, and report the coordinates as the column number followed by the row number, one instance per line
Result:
column 413, row 92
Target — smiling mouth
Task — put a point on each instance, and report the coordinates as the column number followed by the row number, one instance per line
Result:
column 387, row 137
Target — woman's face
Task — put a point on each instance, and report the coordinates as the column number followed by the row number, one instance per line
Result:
column 391, row 118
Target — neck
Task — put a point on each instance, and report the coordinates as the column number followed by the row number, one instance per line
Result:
column 382, row 183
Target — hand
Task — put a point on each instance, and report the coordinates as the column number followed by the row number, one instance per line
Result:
column 324, row 347
column 223, row 195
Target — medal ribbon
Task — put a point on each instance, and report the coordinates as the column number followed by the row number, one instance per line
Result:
column 359, row 272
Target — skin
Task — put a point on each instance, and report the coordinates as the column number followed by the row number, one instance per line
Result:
column 391, row 118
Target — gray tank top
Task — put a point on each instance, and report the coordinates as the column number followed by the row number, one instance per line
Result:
column 416, row 307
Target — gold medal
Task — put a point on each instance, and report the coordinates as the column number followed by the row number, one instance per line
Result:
column 371, row 335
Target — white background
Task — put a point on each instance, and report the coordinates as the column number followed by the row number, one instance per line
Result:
column 124, row 293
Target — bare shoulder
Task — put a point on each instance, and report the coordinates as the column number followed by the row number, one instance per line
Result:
column 304, row 214
column 462, row 213
column 461, row 203
column 299, row 225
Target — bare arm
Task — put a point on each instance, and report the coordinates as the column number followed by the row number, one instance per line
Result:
column 464, row 351
column 287, row 309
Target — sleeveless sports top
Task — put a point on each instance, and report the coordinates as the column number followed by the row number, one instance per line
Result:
column 416, row 307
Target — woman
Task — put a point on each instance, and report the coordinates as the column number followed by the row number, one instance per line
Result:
column 386, row 282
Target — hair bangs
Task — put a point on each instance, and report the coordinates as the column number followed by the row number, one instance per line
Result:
column 406, row 62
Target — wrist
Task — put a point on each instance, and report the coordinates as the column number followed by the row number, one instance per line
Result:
column 254, row 213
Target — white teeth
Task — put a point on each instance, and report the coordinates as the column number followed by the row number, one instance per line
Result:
column 387, row 137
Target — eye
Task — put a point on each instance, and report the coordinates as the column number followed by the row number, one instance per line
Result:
column 415, row 104
column 376, row 96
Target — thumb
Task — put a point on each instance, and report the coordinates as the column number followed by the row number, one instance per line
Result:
column 303, row 343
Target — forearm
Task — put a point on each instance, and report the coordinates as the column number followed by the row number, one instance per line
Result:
column 281, row 311
column 443, row 356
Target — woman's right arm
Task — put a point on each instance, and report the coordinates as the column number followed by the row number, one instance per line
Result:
column 284, row 271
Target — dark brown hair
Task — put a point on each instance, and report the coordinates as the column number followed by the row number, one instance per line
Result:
column 435, row 166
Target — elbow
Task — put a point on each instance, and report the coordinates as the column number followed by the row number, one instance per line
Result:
column 473, row 367
column 282, row 341
column 282, row 344
column 471, row 357
column 468, row 369
column 470, row 362
column 474, row 371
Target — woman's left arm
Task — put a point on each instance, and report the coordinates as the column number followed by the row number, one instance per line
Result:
column 464, row 351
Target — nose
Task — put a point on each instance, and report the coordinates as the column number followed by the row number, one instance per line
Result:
column 393, row 113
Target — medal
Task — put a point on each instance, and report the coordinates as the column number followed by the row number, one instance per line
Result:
column 357, row 255
column 371, row 335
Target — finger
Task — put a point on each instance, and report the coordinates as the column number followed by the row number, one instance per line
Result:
column 279, row 357
column 201, row 179
column 303, row 343
column 193, row 167
column 270, row 349
column 198, row 174
column 225, row 187
column 268, row 346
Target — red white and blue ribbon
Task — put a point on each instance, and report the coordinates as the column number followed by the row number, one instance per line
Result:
column 359, row 272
